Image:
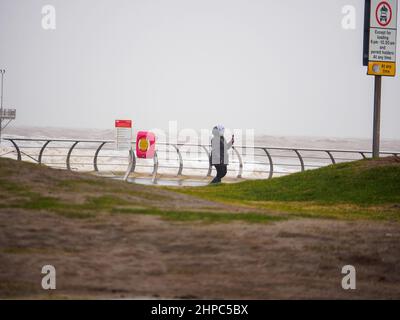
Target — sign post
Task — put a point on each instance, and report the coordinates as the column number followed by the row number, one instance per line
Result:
column 377, row 117
column 2, row 72
column 382, row 25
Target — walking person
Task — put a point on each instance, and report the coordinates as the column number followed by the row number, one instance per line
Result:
column 219, row 152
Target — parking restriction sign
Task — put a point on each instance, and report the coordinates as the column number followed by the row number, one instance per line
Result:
column 123, row 134
column 382, row 38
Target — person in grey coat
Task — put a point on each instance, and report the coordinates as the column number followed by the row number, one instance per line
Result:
column 219, row 152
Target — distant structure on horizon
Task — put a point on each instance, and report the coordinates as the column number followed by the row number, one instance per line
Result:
column 6, row 115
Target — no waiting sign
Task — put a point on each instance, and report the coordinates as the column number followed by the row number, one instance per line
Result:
column 382, row 38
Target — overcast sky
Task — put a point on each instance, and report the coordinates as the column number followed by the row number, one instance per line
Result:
column 279, row 67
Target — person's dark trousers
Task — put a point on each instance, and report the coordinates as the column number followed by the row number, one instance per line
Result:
column 221, row 172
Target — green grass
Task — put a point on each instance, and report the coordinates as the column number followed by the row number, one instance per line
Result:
column 362, row 189
column 343, row 183
column 210, row 217
column 115, row 205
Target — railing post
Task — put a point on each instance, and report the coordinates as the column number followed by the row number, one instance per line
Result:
column 331, row 156
column 300, row 158
column 131, row 165
column 155, row 168
column 209, row 161
column 180, row 160
column 19, row 158
column 42, row 150
column 96, row 156
column 271, row 164
column 69, row 155
column 240, row 162
column 363, row 155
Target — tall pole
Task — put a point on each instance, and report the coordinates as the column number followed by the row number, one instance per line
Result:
column 2, row 76
column 1, row 105
column 377, row 116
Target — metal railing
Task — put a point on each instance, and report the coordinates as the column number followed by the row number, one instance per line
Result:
column 178, row 159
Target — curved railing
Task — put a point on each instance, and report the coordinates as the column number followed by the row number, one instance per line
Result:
column 176, row 159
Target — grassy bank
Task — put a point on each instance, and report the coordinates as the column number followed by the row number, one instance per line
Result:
column 26, row 186
column 368, row 189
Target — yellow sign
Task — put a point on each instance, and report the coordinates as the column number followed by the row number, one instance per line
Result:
column 143, row 144
column 378, row 68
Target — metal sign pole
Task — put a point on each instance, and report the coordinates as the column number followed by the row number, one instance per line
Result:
column 2, row 76
column 379, row 54
column 1, row 106
column 377, row 116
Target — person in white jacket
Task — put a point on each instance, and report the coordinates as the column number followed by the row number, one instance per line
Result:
column 219, row 152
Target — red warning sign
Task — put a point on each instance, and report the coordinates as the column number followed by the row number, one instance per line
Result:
column 123, row 123
column 383, row 13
